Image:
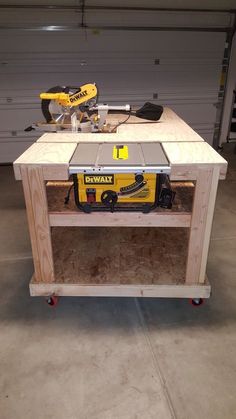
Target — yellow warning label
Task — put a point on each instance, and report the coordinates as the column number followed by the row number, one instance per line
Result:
column 120, row 152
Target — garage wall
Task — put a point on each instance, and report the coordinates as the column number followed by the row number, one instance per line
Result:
column 229, row 96
column 173, row 68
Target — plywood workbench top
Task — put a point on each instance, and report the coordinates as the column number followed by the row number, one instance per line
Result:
column 184, row 148
column 170, row 127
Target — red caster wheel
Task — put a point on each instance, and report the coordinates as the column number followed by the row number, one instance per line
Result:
column 196, row 302
column 52, row 301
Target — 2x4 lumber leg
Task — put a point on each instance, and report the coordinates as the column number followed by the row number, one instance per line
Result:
column 201, row 222
column 38, row 221
column 208, row 226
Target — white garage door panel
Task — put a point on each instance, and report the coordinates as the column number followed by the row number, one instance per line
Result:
column 129, row 18
column 19, row 119
column 182, row 69
column 201, row 117
column 199, row 73
column 156, row 82
column 189, row 79
column 199, row 43
column 195, row 114
column 9, row 151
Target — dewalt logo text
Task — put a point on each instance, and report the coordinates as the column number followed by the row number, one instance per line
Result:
column 99, row 179
column 78, row 95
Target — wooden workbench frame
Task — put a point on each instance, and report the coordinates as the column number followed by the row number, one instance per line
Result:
column 40, row 222
column 48, row 160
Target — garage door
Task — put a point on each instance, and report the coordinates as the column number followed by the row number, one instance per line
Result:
column 177, row 68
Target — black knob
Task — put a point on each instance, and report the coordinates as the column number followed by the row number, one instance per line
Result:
column 109, row 198
column 139, row 178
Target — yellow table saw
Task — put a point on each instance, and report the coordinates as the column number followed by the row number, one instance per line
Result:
column 121, row 177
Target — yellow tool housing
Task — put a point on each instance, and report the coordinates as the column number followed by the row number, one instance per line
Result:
column 103, row 182
column 86, row 92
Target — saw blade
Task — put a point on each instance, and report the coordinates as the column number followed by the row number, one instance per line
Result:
column 58, row 112
column 45, row 104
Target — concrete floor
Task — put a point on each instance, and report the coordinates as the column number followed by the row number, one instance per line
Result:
column 116, row 358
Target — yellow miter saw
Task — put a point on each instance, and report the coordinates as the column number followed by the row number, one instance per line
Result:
column 76, row 109
column 60, row 104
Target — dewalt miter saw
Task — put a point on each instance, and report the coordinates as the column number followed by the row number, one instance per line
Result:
column 76, row 109
column 59, row 102
column 62, row 106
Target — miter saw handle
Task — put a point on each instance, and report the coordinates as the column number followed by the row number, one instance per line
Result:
column 105, row 107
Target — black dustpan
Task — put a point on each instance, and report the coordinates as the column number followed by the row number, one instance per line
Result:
column 150, row 111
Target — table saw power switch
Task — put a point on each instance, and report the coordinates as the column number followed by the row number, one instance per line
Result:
column 91, row 195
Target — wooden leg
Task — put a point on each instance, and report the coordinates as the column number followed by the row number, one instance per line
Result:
column 39, row 228
column 201, row 222
column 208, row 226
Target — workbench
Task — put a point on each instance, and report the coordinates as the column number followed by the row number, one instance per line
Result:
column 160, row 254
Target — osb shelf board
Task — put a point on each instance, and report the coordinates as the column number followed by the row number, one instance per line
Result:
column 57, row 191
column 119, row 256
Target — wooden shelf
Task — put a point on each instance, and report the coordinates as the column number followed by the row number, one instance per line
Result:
column 61, row 214
column 111, row 255
column 119, row 261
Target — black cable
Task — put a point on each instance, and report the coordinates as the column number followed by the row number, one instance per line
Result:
column 67, row 198
column 123, row 122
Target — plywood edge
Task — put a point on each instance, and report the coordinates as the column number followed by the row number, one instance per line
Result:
column 80, row 290
column 50, row 171
column 43, row 138
column 189, row 171
column 56, row 171
column 16, row 169
column 106, row 138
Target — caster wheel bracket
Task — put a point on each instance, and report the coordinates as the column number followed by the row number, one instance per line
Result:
column 52, row 300
column 196, row 302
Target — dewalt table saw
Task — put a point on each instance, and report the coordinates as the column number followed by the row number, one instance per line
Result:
column 121, row 177
column 161, row 253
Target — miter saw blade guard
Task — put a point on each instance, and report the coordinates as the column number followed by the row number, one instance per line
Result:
column 59, row 111
column 45, row 104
